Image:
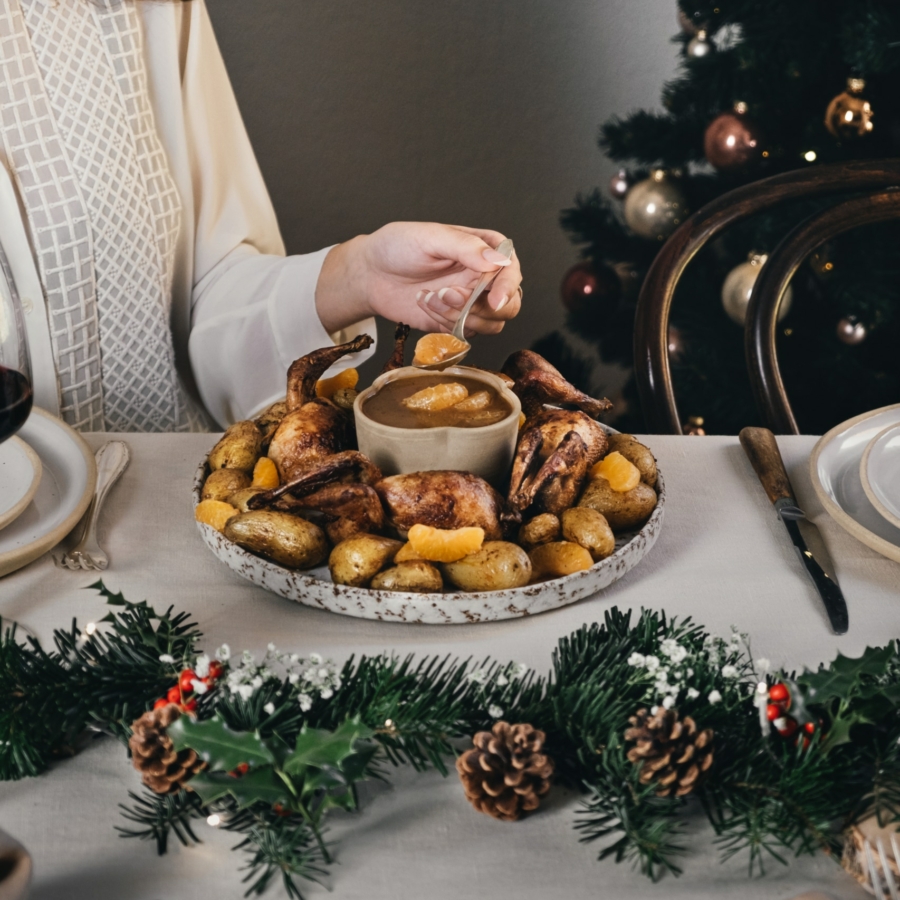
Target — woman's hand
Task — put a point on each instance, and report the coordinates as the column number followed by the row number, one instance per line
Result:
column 420, row 273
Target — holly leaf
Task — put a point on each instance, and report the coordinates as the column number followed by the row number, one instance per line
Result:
column 210, row 786
column 221, row 747
column 843, row 676
column 260, row 786
column 317, row 748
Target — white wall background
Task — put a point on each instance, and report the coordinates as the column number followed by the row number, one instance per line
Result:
column 465, row 111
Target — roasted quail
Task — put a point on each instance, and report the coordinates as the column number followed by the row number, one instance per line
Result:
column 556, row 446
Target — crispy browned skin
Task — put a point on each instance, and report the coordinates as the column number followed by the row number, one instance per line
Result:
column 313, row 428
column 349, row 509
column 537, row 383
column 443, row 500
column 555, row 451
column 395, row 361
column 556, row 446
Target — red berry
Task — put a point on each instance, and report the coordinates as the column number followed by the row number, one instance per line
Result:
column 773, row 711
column 185, row 679
column 161, row 703
column 174, row 695
column 779, row 693
column 809, row 727
column 805, row 742
column 215, row 671
column 790, row 726
column 279, row 810
column 240, row 769
column 190, row 706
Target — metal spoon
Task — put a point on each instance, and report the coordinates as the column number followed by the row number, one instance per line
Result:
column 506, row 248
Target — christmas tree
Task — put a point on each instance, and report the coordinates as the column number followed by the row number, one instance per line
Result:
column 764, row 87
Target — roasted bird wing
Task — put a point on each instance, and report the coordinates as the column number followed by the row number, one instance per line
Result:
column 536, row 382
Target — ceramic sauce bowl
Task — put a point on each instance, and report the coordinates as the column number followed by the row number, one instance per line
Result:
column 486, row 450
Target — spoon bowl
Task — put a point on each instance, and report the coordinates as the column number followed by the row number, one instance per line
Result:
column 506, row 248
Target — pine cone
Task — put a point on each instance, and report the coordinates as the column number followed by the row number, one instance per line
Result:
column 162, row 769
column 504, row 774
column 669, row 751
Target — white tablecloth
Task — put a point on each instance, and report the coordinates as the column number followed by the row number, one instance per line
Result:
column 722, row 558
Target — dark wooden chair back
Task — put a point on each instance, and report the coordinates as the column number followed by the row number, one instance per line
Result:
column 651, row 357
column 773, row 281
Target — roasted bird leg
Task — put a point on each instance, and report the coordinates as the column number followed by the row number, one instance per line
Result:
column 395, row 361
column 313, row 429
column 349, row 509
column 305, row 372
column 537, row 383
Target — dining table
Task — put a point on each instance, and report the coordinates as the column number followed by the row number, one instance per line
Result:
column 722, row 558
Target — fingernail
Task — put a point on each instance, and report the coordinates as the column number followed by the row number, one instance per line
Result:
column 498, row 259
column 427, row 297
column 451, row 296
column 501, row 303
column 421, row 294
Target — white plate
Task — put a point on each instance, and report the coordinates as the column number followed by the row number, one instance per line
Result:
column 20, row 475
column 315, row 587
column 65, row 491
column 835, row 471
column 880, row 473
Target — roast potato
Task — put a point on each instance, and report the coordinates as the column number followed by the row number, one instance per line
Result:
column 497, row 566
column 559, row 558
column 239, row 448
column 540, row 530
column 358, row 560
column 222, row 483
column 344, row 398
column 415, row 575
column 624, row 510
column 240, row 498
column 589, row 528
column 288, row 540
column 636, row 453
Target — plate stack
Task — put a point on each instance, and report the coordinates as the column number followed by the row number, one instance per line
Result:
column 855, row 470
column 47, row 479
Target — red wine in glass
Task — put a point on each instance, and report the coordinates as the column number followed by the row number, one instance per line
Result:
column 15, row 401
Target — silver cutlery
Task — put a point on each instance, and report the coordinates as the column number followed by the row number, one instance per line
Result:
column 112, row 459
column 761, row 448
column 506, row 248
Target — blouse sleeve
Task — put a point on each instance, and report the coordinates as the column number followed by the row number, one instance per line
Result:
column 253, row 308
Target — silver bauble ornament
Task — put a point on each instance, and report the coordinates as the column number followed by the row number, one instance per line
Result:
column 620, row 184
column 655, row 207
column 851, row 331
column 739, row 284
column 699, row 45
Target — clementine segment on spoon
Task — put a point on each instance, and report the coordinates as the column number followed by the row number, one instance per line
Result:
column 435, row 348
column 437, row 397
column 445, row 544
column 328, row 387
column 622, row 474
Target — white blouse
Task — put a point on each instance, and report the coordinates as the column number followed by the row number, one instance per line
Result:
column 135, row 224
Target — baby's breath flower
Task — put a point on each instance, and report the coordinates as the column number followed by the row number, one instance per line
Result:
column 651, row 663
column 198, row 686
column 495, row 711
column 502, row 680
column 201, row 666
column 166, row 658
column 693, row 693
column 305, row 702
column 668, row 702
column 637, row 659
column 714, row 697
column 729, row 672
column 269, row 708
column 763, row 665
column 223, row 654
column 519, row 669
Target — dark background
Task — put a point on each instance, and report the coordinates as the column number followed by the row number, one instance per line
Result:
column 462, row 111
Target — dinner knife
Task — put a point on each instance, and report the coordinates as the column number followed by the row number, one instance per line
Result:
column 762, row 450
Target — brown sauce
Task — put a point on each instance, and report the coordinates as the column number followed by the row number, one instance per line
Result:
column 386, row 406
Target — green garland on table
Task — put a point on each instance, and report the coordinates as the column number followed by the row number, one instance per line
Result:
column 795, row 760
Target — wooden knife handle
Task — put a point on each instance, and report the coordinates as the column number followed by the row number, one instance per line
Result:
column 765, row 457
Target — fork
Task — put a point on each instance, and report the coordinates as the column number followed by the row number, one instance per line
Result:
column 880, row 873
column 112, row 459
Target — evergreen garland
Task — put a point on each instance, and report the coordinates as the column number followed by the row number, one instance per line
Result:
column 286, row 739
column 785, row 62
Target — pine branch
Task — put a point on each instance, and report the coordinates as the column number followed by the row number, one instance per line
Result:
column 158, row 814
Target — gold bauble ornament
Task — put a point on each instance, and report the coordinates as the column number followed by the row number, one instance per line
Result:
column 739, row 285
column 655, row 207
column 849, row 115
column 699, row 45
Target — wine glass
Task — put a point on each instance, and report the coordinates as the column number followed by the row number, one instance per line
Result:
column 15, row 366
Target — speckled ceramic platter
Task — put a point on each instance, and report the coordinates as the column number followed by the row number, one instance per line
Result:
column 315, row 587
